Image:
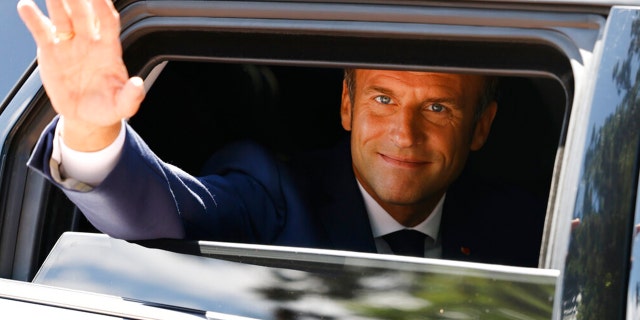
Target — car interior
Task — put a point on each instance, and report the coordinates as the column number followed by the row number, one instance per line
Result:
column 293, row 108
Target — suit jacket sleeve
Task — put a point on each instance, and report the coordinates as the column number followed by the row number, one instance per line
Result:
column 240, row 198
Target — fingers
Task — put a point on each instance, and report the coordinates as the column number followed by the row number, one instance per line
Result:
column 82, row 18
column 37, row 23
column 91, row 19
column 109, row 18
column 59, row 16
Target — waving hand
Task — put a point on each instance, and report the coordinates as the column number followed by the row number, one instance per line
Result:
column 80, row 61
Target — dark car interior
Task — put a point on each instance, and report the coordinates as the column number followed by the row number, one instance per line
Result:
column 293, row 109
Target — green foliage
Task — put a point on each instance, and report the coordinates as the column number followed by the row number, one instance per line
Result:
column 594, row 281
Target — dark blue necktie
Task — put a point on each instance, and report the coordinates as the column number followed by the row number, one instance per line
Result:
column 406, row 242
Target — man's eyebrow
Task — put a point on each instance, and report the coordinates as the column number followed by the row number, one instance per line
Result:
column 378, row 89
column 451, row 101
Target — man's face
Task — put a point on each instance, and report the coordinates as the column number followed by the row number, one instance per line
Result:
column 411, row 133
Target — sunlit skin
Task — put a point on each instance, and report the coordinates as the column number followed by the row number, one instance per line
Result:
column 411, row 134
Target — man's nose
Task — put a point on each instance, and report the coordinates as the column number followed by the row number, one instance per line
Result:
column 406, row 128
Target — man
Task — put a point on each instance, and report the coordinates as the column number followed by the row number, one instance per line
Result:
column 411, row 133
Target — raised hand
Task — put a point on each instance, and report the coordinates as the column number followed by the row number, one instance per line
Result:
column 80, row 62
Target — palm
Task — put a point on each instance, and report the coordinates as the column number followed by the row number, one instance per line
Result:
column 83, row 79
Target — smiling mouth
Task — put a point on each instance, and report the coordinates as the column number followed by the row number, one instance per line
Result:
column 405, row 163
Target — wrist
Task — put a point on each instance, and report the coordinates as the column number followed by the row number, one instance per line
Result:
column 88, row 138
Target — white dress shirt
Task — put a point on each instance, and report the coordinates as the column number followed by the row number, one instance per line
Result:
column 91, row 168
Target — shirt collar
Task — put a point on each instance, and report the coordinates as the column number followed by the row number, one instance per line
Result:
column 382, row 223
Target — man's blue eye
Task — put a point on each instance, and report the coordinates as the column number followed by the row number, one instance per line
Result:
column 436, row 107
column 383, row 99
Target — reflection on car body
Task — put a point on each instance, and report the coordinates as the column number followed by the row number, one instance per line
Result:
column 268, row 282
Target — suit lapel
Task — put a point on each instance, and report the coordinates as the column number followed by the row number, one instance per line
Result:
column 469, row 224
column 341, row 207
column 457, row 243
column 346, row 220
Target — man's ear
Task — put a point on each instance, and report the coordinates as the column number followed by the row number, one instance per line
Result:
column 345, row 107
column 481, row 132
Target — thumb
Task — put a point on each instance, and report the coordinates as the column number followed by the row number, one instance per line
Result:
column 130, row 97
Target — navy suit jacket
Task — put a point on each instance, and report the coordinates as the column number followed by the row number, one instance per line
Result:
column 247, row 195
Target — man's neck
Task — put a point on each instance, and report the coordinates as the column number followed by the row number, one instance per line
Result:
column 409, row 215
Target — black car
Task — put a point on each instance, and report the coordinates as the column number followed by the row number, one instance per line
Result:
column 568, row 130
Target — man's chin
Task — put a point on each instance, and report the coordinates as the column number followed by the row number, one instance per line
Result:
column 401, row 196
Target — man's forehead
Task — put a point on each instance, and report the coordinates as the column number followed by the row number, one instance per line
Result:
column 453, row 80
column 408, row 73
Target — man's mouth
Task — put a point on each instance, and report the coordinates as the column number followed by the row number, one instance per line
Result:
column 403, row 161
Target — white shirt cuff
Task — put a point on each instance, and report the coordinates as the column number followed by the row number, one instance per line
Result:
column 88, row 167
